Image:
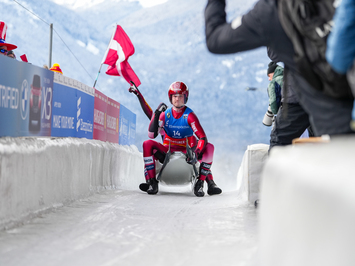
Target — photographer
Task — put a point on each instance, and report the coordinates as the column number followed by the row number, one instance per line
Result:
column 261, row 27
column 291, row 120
column 275, row 74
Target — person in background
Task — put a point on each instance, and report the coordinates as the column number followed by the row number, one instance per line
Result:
column 261, row 27
column 275, row 75
column 11, row 54
column 56, row 68
column 4, row 46
column 291, row 121
column 340, row 44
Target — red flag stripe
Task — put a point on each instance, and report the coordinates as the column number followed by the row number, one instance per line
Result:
column 118, row 51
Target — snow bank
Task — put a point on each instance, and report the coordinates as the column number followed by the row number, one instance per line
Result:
column 37, row 174
column 307, row 205
column 248, row 179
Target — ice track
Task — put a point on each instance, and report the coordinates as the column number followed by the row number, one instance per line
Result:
column 126, row 227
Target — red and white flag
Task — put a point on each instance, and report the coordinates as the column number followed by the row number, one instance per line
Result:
column 24, row 58
column 118, row 51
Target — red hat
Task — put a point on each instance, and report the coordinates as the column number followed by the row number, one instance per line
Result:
column 56, row 68
column 3, row 29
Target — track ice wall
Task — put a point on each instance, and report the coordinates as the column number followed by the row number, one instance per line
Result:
column 39, row 174
column 307, row 205
column 250, row 170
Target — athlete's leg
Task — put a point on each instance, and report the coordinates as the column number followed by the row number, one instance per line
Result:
column 206, row 162
column 205, row 170
column 152, row 151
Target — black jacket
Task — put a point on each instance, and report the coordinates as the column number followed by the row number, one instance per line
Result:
column 259, row 27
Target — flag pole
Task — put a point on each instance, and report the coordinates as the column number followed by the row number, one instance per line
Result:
column 103, row 60
column 98, row 73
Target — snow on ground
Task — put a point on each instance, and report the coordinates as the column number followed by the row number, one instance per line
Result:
column 129, row 227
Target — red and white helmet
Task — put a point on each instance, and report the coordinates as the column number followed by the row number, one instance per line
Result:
column 178, row 87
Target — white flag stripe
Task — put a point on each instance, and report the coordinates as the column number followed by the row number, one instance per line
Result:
column 120, row 53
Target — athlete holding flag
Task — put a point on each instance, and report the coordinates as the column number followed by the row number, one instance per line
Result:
column 176, row 124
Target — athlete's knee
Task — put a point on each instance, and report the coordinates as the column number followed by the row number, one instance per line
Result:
column 210, row 147
column 148, row 147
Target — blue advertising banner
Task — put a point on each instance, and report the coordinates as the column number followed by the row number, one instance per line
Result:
column 37, row 102
column 127, row 128
column 73, row 108
column 64, row 111
column 85, row 99
column 132, row 129
column 26, row 93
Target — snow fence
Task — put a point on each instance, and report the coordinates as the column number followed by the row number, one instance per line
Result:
column 38, row 174
column 307, row 205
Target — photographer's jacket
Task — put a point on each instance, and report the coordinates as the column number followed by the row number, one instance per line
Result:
column 259, row 27
column 274, row 89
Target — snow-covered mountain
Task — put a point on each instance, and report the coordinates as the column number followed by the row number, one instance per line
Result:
column 169, row 41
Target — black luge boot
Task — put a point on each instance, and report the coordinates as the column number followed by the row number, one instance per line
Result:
column 198, row 189
column 144, row 186
column 212, row 188
column 153, row 186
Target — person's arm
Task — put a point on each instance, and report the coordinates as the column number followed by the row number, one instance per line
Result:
column 243, row 33
column 157, row 121
column 340, row 45
column 145, row 106
column 194, row 123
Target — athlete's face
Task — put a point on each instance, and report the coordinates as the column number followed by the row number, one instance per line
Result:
column 178, row 100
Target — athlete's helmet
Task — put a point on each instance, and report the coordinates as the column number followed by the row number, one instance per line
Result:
column 178, row 87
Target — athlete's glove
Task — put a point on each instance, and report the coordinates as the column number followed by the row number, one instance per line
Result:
column 133, row 89
column 161, row 108
column 194, row 158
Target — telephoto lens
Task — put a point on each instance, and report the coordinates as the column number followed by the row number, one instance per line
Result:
column 268, row 117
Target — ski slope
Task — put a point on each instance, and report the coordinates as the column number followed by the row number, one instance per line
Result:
column 129, row 227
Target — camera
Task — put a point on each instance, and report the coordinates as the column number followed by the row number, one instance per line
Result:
column 268, row 117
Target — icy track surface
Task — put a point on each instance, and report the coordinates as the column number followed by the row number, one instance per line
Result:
column 121, row 227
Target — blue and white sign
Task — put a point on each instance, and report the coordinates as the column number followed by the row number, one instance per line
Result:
column 127, row 128
column 64, row 111
column 85, row 100
column 73, row 108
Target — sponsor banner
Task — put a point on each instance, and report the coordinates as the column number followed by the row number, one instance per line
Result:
column 26, row 94
column 38, row 102
column 85, row 101
column 112, row 120
column 64, row 111
column 127, row 129
column 73, row 108
column 100, row 107
column 132, row 128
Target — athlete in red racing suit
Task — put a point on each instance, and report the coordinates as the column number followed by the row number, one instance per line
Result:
column 175, row 124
